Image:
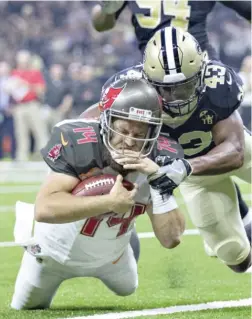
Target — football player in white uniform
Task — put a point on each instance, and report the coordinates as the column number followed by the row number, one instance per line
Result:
column 200, row 100
column 80, row 236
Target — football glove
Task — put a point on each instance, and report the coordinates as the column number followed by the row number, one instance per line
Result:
column 111, row 7
column 169, row 176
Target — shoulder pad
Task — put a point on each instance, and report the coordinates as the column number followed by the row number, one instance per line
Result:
column 74, row 147
column 134, row 72
column 223, row 88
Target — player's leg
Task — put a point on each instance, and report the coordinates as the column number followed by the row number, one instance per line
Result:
column 213, row 207
column 246, row 217
column 245, row 174
column 36, row 283
column 121, row 276
column 135, row 244
column 243, row 207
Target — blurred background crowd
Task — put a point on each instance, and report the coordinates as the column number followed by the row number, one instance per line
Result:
column 68, row 62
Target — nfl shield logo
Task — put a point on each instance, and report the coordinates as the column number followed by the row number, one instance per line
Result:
column 54, row 152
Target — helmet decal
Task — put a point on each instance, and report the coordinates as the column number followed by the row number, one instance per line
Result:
column 109, row 97
column 170, row 51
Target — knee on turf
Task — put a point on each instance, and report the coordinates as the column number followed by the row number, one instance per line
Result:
column 17, row 306
column 234, row 253
column 21, row 302
column 127, row 291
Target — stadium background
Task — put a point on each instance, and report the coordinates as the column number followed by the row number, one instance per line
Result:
column 60, row 34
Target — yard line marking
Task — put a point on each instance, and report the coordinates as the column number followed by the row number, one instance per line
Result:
column 8, row 244
column 7, row 209
column 170, row 310
column 18, row 189
column 141, row 235
column 186, row 233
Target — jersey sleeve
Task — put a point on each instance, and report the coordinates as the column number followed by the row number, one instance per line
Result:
column 224, row 89
column 59, row 157
column 166, row 149
column 73, row 149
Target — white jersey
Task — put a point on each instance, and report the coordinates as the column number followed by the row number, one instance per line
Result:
column 97, row 240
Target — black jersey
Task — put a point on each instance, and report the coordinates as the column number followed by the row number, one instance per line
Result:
column 191, row 16
column 221, row 96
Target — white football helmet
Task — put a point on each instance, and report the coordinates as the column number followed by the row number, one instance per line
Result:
column 172, row 62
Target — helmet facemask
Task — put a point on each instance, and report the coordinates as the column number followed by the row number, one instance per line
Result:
column 154, row 126
column 180, row 98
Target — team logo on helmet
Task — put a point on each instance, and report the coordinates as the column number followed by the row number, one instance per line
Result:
column 109, row 96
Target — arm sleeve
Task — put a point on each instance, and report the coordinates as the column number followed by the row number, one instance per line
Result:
column 224, row 97
column 231, row 98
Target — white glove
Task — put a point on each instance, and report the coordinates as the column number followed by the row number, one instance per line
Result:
column 168, row 177
column 110, row 7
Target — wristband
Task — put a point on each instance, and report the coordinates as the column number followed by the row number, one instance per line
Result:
column 162, row 203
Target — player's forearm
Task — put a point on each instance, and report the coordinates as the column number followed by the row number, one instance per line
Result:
column 59, row 208
column 222, row 159
column 102, row 21
column 169, row 227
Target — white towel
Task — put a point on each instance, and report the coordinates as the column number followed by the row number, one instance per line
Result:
column 24, row 223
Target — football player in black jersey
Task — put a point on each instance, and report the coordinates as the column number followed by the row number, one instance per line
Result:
column 200, row 98
column 148, row 17
column 200, row 102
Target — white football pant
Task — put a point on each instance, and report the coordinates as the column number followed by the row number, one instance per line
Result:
column 213, row 207
column 38, row 280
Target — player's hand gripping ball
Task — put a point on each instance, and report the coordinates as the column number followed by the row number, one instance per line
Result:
column 98, row 185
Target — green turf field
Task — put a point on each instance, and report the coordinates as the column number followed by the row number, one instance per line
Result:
column 167, row 278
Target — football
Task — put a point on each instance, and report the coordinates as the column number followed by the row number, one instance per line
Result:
column 98, row 185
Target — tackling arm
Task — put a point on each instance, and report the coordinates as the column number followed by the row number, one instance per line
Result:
column 228, row 154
